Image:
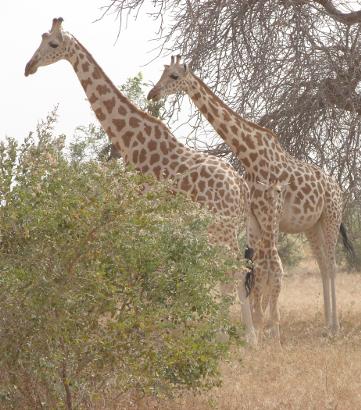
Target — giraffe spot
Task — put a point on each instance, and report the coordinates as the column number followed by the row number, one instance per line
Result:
column 226, row 116
column 76, row 65
column 141, row 138
column 81, row 55
column 93, row 98
column 122, row 110
column 135, row 156
column 165, row 161
column 77, row 46
column 99, row 114
column 86, row 82
column 96, row 74
column 210, row 117
column 283, row 176
column 214, row 109
column 154, row 158
column 119, row 123
column 163, row 147
column 152, row 145
column 246, row 162
column 147, row 129
column 293, row 185
column 306, row 189
column 134, row 122
column 85, row 67
column 157, row 132
column 110, row 133
column 182, row 168
column 157, row 171
column 186, row 184
column 253, row 156
column 103, row 89
column 234, row 129
column 196, row 96
column 248, row 140
column 127, row 137
column 110, row 104
column 263, row 173
column 142, row 155
column 203, row 109
column 224, row 127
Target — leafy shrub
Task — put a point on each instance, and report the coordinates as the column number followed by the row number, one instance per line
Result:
column 103, row 285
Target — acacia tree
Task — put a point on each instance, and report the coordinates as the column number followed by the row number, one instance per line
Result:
column 290, row 65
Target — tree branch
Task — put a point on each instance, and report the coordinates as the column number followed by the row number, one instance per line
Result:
column 351, row 18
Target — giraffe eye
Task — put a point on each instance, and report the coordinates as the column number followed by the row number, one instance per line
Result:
column 174, row 76
column 53, row 45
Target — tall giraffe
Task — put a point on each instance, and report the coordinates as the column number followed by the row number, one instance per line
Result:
column 147, row 144
column 313, row 200
column 268, row 265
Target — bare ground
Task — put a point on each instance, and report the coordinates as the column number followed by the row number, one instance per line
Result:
column 310, row 371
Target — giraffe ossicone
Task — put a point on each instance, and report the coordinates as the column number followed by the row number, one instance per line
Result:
column 313, row 200
column 147, row 144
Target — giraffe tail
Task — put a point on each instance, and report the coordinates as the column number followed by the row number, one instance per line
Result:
column 346, row 242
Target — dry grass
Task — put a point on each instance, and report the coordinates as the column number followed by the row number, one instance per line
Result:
column 311, row 371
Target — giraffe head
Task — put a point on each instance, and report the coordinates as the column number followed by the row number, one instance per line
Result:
column 174, row 79
column 52, row 48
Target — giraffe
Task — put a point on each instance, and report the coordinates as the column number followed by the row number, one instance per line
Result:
column 268, row 266
column 147, row 144
column 313, row 200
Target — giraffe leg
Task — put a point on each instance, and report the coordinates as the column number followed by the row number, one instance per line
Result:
column 330, row 227
column 257, row 292
column 230, row 238
column 316, row 239
column 275, row 290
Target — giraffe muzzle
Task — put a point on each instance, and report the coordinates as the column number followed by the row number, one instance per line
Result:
column 153, row 95
column 31, row 67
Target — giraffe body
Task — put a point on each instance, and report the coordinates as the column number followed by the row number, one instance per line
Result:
column 313, row 200
column 147, row 144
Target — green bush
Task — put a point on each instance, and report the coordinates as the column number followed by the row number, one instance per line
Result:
column 103, row 285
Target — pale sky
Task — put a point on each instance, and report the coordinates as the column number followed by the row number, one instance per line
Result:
column 26, row 100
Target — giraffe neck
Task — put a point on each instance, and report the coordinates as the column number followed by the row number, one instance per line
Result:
column 142, row 140
column 257, row 148
column 270, row 230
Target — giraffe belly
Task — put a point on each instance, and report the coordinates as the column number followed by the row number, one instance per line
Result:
column 292, row 222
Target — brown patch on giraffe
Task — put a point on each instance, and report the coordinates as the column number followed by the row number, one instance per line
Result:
column 134, row 122
column 96, row 74
column 283, row 176
column 253, row 156
column 76, row 65
column 203, row 109
column 210, row 117
column 86, row 82
column 110, row 133
column 224, row 127
column 157, row 171
column 249, row 142
column 81, row 55
column 214, row 109
column 182, row 168
column 99, row 114
column 154, row 158
column 122, row 110
column 293, row 185
column 306, row 189
column 157, row 132
column 246, row 162
column 147, row 129
column 164, row 147
column 140, row 138
column 102, row 89
column 263, row 173
column 110, row 104
column 196, row 96
column 135, row 156
column 142, row 155
column 226, row 116
column 85, row 67
column 234, row 129
column 93, row 98
column 299, row 197
column 165, row 161
column 152, row 145
column 145, row 168
column 119, row 123
column 127, row 137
